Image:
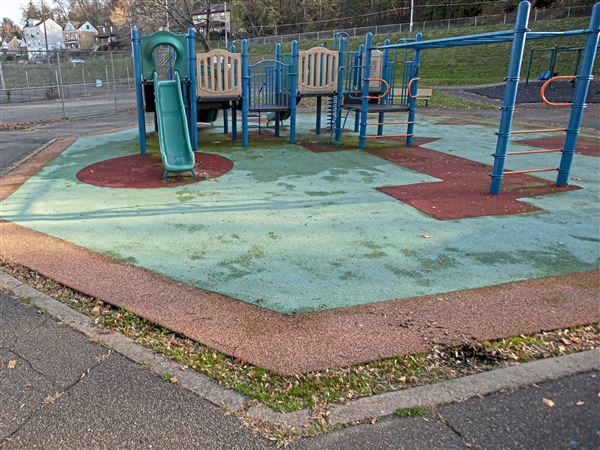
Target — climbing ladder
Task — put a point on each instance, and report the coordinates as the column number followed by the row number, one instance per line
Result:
column 543, row 130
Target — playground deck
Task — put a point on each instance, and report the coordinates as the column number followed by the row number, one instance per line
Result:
column 241, row 255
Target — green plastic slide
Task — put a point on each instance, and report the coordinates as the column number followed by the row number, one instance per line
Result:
column 174, row 140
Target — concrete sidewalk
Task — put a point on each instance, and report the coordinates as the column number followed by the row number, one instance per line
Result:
column 65, row 391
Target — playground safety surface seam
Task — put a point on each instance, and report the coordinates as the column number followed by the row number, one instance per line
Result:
column 307, row 342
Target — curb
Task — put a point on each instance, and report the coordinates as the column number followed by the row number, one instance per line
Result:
column 375, row 406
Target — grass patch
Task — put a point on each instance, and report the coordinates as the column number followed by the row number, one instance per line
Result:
column 442, row 100
column 412, row 411
column 313, row 390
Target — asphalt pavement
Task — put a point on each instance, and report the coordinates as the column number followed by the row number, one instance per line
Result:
column 60, row 390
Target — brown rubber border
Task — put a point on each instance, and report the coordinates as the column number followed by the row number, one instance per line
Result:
column 307, row 342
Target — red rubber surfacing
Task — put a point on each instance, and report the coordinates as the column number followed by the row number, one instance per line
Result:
column 585, row 145
column 463, row 191
column 145, row 171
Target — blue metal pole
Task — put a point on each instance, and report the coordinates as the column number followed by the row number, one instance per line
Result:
column 278, row 96
column 193, row 98
column 245, row 92
column 581, row 88
column 386, row 76
column 234, row 134
column 364, row 107
column 318, row 119
column 340, row 92
column 358, row 66
column 294, row 90
column 414, row 87
column 137, row 71
column 510, row 96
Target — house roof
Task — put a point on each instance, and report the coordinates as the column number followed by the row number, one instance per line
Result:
column 71, row 26
column 217, row 8
column 87, row 27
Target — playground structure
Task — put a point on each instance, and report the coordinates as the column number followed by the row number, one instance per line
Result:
column 552, row 69
column 170, row 100
column 362, row 82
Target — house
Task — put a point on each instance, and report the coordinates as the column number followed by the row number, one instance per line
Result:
column 107, row 39
column 13, row 45
column 82, row 36
column 36, row 34
column 71, row 36
column 4, row 46
column 22, row 47
column 219, row 19
column 88, row 36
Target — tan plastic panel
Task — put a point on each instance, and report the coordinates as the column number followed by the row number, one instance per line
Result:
column 219, row 74
column 317, row 71
column 376, row 70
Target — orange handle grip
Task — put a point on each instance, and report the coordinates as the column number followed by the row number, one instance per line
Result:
column 387, row 88
column 547, row 83
column 409, row 85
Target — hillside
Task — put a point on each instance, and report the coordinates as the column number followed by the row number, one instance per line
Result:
column 469, row 65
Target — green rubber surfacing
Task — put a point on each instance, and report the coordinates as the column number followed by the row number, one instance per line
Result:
column 296, row 231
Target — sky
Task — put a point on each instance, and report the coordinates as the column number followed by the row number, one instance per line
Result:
column 12, row 8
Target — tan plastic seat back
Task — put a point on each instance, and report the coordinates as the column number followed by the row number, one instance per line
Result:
column 317, row 71
column 219, row 74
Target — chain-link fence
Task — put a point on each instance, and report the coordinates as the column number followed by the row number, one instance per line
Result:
column 66, row 80
column 495, row 19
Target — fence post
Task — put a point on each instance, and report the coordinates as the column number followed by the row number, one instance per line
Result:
column 106, row 72
column 504, row 21
column 60, row 94
column 568, row 12
column 318, row 36
column 83, row 79
column 535, row 15
column 475, row 20
column 448, row 23
column 27, row 79
column 2, row 77
column 60, row 77
column 354, row 32
column 112, row 65
column 423, row 25
column 127, row 69
column 400, row 30
column 376, row 28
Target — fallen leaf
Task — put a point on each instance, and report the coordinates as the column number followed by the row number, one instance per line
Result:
column 12, row 364
column 579, row 403
column 548, row 402
column 173, row 380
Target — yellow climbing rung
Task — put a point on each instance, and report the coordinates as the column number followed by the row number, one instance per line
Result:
column 516, row 172
column 391, row 123
column 383, row 136
column 548, row 130
column 525, row 152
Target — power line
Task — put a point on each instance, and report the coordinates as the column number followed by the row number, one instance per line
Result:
column 403, row 8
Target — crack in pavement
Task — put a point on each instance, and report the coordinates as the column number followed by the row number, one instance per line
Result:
column 50, row 400
column 441, row 419
column 29, row 363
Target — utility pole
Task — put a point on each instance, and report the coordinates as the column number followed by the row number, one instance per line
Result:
column 412, row 10
column 225, row 6
column 46, row 40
